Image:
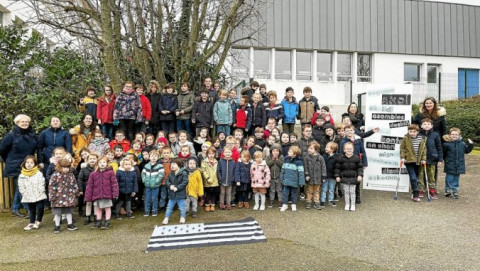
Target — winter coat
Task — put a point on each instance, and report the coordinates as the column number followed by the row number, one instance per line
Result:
column 317, row 133
column 146, row 108
column 439, row 124
column 89, row 106
column 243, row 118
column 222, row 113
column 315, row 168
column 303, row 145
column 358, row 120
column 434, row 147
column 290, row 110
column 292, row 173
column 326, row 139
column 127, row 180
column 180, row 181
column 454, row 155
column 226, row 171
column 358, row 149
column 275, row 111
column 202, row 113
column 99, row 146
column 125, row 144
column 408, row 153
column 209, row 172
column 260, row 175
column 169, row 103
column 185, row 103
column 195, row 184
column 51, row 138
column 348, row 169
column 15, row 146
column 128, row 106
column 275, row 165
column 330, row 161
column 154, row 101
column 63, row 190
column 105, row 110
column 242, row 173
column 152, row 175
column 101, row 185
column 83, row 177
column 80, row 141
column 259, row 115
column 307, row 109
column 32, row 188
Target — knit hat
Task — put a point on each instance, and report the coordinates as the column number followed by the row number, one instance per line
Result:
column 208, row 144
column 162, row 139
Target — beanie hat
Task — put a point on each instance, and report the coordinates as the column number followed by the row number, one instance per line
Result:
column 208, row 144
column 162, row 139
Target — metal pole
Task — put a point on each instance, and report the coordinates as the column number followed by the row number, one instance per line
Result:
column 351, row 90
column 439, row 87
column 465, row 90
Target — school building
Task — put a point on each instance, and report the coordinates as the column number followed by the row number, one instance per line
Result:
column 340, row 47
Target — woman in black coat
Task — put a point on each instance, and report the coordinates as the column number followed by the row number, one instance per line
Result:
column 15, row 146
column 51, row 138
column 357, row 118
column 429, row 109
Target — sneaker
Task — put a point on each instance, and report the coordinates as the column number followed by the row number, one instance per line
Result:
column 302, row 197
column 97, row 225
column 352, row 208
column 270, row 204
column 332, row 203
column 56, row 229
column 262, row 207
column 347, row 207
column 358, row 200
column 240, row 205
column 294, row 207
column 256, row 207
column 207, row 208
column 433, row 194
column 154, row 214
column 233, row 204
column 28, row 227
column 130, row 216
column 229, row 207
column 316, row 205
column 182, row 220
column 455, row 195
column 36, row 225
column 448, row 194
column 416, row 199
column 421, row 194
column 146, row 214
column 165, row 221
column 308, row 206
column 72, row 227
column 118, row 217
column 106, row 225
column 322, row 205
column 194, row 214
column 246, row 205
column 284, row 208
column 87, row 220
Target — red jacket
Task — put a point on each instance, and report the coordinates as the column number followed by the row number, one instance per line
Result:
column 125, row 144
column 101, row 185
column 105, row 110
column 315, row 116
column 146, row 107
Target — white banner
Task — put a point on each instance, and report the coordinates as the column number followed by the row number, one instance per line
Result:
column 388, row 108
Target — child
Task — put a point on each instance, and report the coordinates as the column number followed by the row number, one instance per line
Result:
column 105, row 111
column 185, row 99
column 243, row 180
column 270, row 142
column 263, row 93
column 63, row 192
column 173, row 143
column 222, row 137
column 202, row 112
column 31, row 185
column 141, row 125
column 183, row 141
column 413, row 153
column 454, row 150
column 203, row 155
column 202, row 137
column 120, row 139
column 99, row 144
column 167, row 105
column 88, row 104
column 176, row 184
column 306, row 139
column 271, row 124
column 259, row 115
column 307, row 106
column 324, row 113
column 292, row 176
column 341, row 130
column 293, row 139
column 273, row 109
column 58, row 153
column 260, row 142
column 111, row 160
column 161, row 142
column 185, row 153
column 290, row 109
column 243, row 115
column 128, row 187
column 260, row 175
column 330, row 158
column 149, row 143
column 166, row 163
column 152, row 175
column 210, row 179
column 230, row 142
column 239, row 135
column 140, row 136
column 330, row 135
column 318, row 129
column 136, row 150
column 226, row 177
column 434, row 157
column 349, row 171
column 275, row 163
column 285, row 143
column 222, row 113
column 276, row 134
column 194, row 187
column 250, row 145
column 82, row 185
column 84, row 153
column 118, row 153
column 315, row 174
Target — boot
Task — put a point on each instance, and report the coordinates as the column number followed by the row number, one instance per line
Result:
column 212, row 208
column 240, row 205
column 87, row 220
column 106, row 225
column 246, row 205
column 262, row 202
column 257, row 202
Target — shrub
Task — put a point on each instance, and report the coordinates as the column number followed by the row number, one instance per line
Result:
column 464, row 114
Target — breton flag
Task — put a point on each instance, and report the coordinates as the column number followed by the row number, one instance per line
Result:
column 244, row 231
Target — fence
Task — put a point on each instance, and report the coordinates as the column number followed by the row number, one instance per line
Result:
column 7, row 191
column 443, row 89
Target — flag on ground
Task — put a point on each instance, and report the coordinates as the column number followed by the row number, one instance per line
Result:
column 206, row 234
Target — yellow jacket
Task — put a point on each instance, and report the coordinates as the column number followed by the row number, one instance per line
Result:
column 79, row 141
column 209, row 173
column 195, row 184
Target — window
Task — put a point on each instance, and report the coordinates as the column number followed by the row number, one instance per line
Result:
column 324, row 66
column 261, row 64
column 304, row 66
column 283, row 65
column 363, row 68
column 411, row 72
column 432, row 74
column 240, row 64
column 1, row 18
column 344, row 67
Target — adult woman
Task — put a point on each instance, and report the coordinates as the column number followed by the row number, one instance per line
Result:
column 127, row 110
column 356, row 117
column 429, row 109
column 49, row 139
column 82, row 135
column 15, row 146
column 105, row 111
column 153, row 94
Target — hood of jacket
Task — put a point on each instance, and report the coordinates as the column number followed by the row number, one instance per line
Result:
column 441, row 110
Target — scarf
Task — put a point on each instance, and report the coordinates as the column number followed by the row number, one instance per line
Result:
column 98, row 142
column 29, row 172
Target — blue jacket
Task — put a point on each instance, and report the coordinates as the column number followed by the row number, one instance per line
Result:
column 127, row 181
column 454, row 155
column 330, row 163
column 167, row 102
column 51, row 138
column 290, row 110
column 358, row 149
column 179, row 180
column 292, row 173
column 152, row 176
column 15, row 146
column 242, row 172
column 222, row 113
column 275, row 112
column 434, row 147
column 226, row 172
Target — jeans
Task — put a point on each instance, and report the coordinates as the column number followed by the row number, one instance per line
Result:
column 107, row 130
column 225, row 128
column 128, row 127
column 413, row 171
column 290, row 190
column 168, row 126
column 163, row 196
column 36, row 211
column 17, row 198
column 328, row 185
column 151, row 200
column 185, row 125
column 181, row 206
column 452, row 182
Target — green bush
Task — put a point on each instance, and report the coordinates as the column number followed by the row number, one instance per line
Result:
column 464, row 114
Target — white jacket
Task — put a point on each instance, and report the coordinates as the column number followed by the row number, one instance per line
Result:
column 32, row 188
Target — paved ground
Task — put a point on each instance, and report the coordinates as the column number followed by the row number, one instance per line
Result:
column 382, row 235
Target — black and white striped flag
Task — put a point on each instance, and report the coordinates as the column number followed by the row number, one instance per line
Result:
column 206, row 234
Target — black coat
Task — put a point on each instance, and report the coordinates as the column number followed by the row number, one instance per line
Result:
column 434, row 148
column 202, row 113
column 348, row 169
column 168, row 102
column 179, row 180
column 454, row 156
column 330, row 164
column 154, row 101
column 14, row 147
column 259, row 115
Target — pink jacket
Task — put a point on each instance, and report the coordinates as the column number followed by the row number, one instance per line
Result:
column 260, row 175
column 101, row 185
